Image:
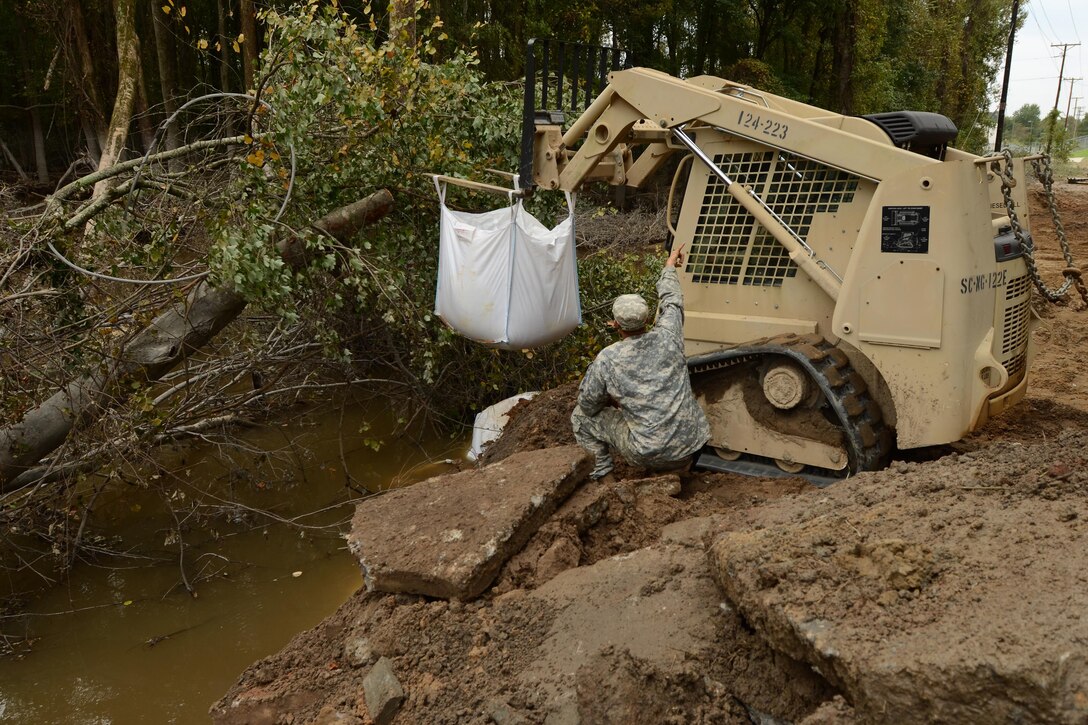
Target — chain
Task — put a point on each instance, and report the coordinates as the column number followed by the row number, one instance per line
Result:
column 1072, row 272
column 1027, row 245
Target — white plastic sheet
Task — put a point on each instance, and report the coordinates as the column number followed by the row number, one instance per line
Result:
column 504, row 279
column 490, row 421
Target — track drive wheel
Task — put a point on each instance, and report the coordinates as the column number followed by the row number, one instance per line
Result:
column 793, row 402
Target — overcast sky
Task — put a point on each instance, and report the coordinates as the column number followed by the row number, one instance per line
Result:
column 1035, row 64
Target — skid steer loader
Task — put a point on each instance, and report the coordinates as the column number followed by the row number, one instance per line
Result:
column 852, row 283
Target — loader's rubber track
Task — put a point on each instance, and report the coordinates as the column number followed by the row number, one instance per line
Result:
column 868, row 440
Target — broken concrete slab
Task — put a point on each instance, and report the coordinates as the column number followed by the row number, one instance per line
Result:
column 634, row 601
column 448, row 536
column 382, row 692
column 932, row 600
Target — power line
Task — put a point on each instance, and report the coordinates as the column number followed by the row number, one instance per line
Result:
column 1042, row 8
column 1037, row 78
column 1046, row 38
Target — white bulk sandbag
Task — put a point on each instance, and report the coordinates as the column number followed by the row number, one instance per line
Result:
column 490, row 421
column 504, row 279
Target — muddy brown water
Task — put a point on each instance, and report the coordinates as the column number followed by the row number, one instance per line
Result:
column 120, row 641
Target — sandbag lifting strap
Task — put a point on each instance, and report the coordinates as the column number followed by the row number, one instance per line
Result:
column 506, row 280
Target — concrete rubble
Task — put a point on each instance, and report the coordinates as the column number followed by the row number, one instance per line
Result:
column 633, row 603
column 383, row 692
column 463, row 526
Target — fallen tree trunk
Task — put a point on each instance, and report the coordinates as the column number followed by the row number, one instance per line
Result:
column 166, row 342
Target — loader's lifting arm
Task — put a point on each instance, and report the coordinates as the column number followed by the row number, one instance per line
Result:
column 641, row 106
column 645, row 108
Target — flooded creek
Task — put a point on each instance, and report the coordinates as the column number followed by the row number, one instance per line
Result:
column 121, row 640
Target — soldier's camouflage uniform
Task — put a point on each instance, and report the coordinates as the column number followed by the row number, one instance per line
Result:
column 657, row 422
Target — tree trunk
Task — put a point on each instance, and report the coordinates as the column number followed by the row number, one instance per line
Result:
column 961, row 100
column 671, row 31
column 703, row 24
column 143, row 113
column 844, row 46
column 765, row 19
column 87, row 82
column 30, row 95
column 40, row 163
column 14, row 161
column 160, row 347
column 167, row 61
column 128, row 72
column 224, row 48
column 224, row 62
column 94, row 151
column 817, row 66
column 249, row 43
column 402, row 22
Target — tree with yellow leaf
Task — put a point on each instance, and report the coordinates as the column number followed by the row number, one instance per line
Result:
column 248, row 41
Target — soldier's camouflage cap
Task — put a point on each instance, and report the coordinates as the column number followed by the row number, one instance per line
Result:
column 630, row 312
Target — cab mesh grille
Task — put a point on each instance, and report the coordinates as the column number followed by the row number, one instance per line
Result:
column 729, row 247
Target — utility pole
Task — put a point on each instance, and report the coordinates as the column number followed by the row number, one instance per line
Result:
column 1057, row 97
column 1069, row 103
column 1005, row 82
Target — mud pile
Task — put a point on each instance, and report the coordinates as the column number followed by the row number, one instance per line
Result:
column 610, row 609
column 944, row 592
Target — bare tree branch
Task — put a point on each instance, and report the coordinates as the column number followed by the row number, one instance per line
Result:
column 166, row 342
column 91, row 179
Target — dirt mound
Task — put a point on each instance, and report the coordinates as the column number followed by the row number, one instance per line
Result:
column 543, row 421
column 864, row 582
column 535, row 646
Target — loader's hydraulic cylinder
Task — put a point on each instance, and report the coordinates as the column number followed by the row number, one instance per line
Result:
column 800, row 253
column 581, row 125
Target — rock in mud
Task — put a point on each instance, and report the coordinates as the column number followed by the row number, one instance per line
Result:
column 928, row 603
column 563, row 554
column 667, row 485
column 358, row 652
column 448, row 536
column 382, row 692
column 502, row 714
column 835, row 711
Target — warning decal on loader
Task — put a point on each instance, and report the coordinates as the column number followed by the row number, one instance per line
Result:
column 904, row 229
